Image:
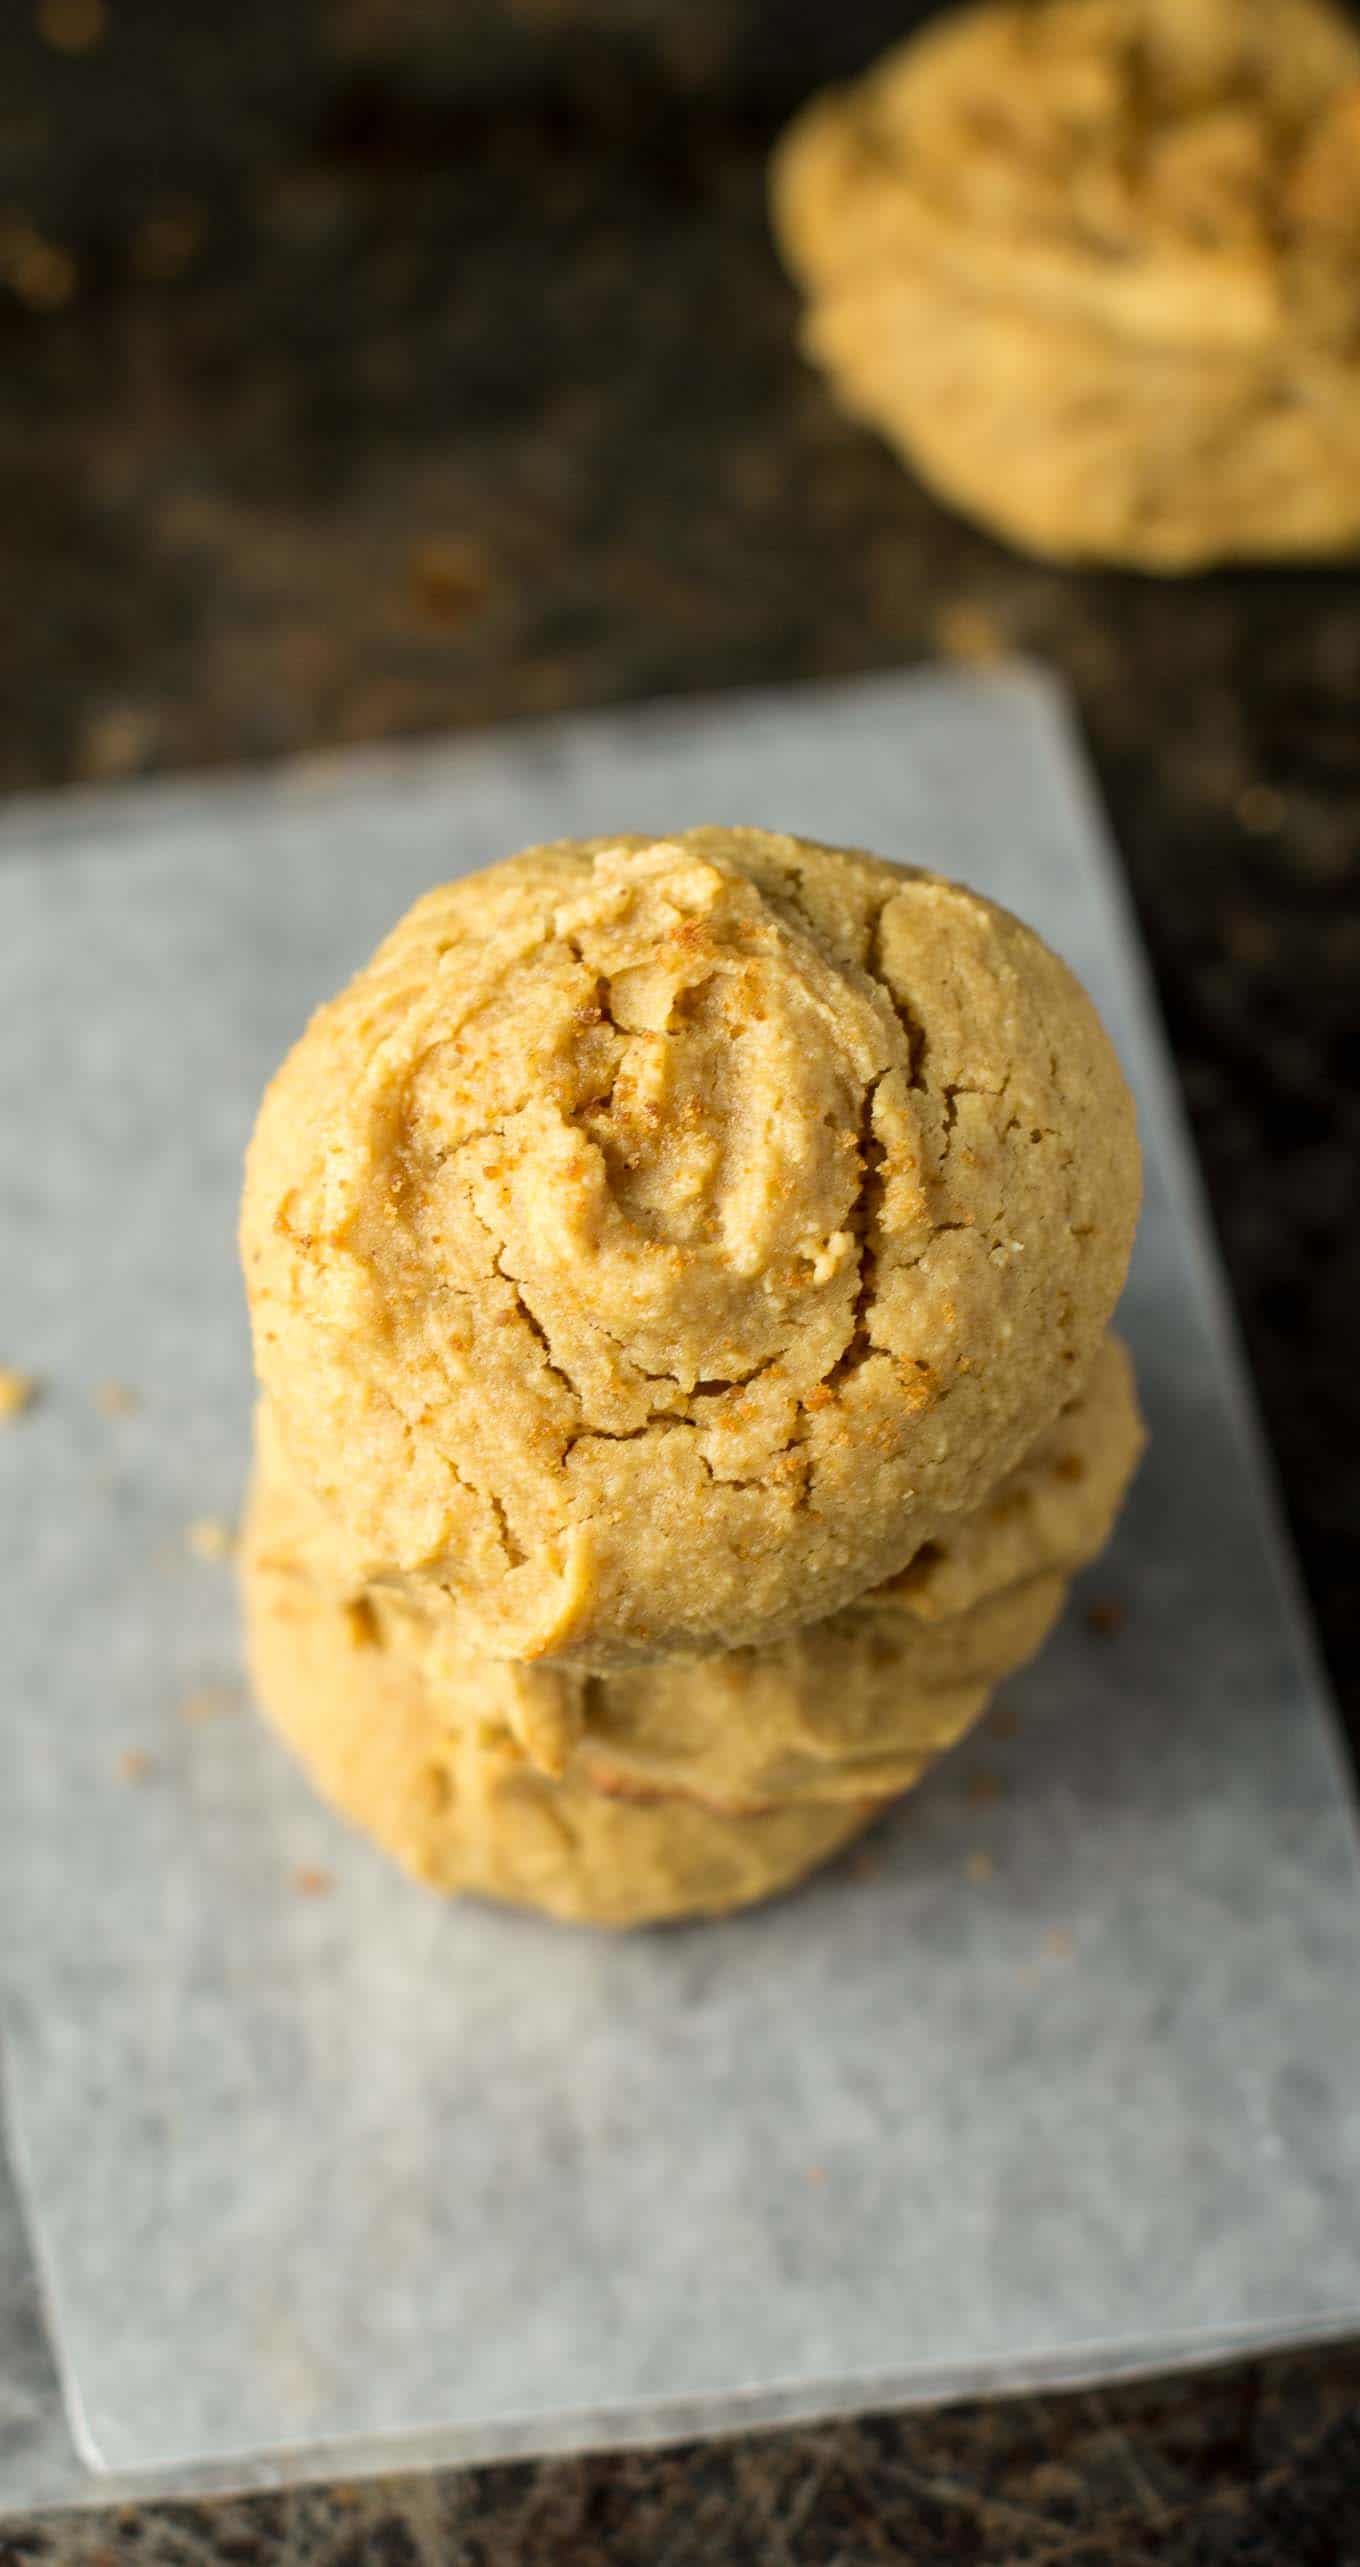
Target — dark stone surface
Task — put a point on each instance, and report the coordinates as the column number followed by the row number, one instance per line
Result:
column 1249, row 2467
column 370, row 367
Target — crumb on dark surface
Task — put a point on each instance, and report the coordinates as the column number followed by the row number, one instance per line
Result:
column 116, row 741
column 72, row 26
column 451, row 579
column 167, row 241
column 969, row 635
column 1262, row 810
column 39, row 272
column 1106, row 1617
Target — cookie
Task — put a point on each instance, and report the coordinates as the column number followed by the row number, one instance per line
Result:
column 861, row 1702
column 1054, row 1512
column 660, row 1240
column 874, row 1695
column 465, row 1808
column 681, row 1787
column 1093, row 266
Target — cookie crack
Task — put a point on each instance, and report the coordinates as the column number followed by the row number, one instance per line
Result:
column 705, row 1390
column 526, row 1312
column 514, row 1550
column 510, row 1543
column 917, row 1034
column 657, row 1422
column 708, row 1386
column 535, row 1327
column 863, row 1221
column 600, row 993
column 951, row 1092
column 657, row 1419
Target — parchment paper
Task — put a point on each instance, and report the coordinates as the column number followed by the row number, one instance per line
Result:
column 315, row 2160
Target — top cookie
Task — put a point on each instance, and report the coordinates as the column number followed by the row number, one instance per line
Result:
column 659, row 1240
column 1136, row 224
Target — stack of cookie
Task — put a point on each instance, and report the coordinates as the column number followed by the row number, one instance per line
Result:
column 680, row 1274
column 1093, row 266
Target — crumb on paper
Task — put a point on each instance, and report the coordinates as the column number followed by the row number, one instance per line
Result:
column 116, row 1399
column 1106, row 1618
column 981, row 1865
column 209, row 1702
column 1057, row 1945
column 208, row 1538
column 73, row 26
column 311, row 1882
column 18, row 1391
column 815, row 2174
column 983, row 1786
column 134, row 1765
column 1261, row 810
column 969, row 635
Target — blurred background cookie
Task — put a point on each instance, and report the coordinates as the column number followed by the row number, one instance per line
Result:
column 1093, row 267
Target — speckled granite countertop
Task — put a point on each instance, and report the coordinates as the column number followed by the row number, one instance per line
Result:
column 377, row 366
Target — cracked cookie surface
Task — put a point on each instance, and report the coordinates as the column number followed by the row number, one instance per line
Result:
column 859, row 1704
column 661, row 1239
column 691, row 1785
column 1094, row 266
column 443, row 1782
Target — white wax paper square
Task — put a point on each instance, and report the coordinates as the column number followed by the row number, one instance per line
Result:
column 362, row 2176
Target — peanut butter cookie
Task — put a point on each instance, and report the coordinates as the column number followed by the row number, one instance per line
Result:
column 1093, row 266
column 642, row 1794
column 661, row 1240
